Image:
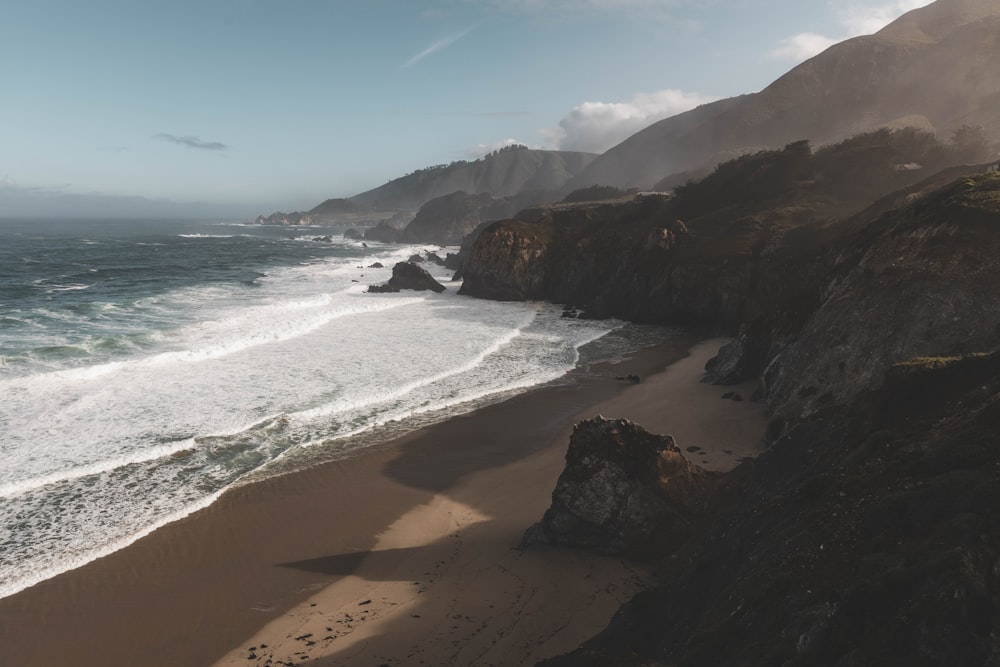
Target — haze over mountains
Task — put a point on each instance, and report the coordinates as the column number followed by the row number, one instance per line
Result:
column 934, row 68
column 503, row 173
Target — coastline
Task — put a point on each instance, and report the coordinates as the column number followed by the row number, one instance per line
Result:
column 444, row 504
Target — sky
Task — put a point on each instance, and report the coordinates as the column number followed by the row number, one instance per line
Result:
column 252, row 106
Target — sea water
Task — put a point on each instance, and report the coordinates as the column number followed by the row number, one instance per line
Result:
column 147, row 366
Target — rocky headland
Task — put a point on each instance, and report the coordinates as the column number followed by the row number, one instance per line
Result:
column 865, row 302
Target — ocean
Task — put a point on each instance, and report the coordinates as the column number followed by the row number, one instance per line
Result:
column 147, row 366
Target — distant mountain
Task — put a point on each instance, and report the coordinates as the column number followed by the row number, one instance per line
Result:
column 503, row 173
column 936, row 68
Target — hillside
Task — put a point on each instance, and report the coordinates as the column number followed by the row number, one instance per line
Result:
column 935, row 67
column 504, row 173
column 864, row 535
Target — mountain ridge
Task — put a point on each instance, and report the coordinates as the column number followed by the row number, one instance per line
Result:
column 905, row 70
column 503, row 173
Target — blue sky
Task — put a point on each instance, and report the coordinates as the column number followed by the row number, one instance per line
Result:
column 260, row 105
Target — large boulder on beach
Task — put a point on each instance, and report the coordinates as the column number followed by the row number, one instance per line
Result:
column 408, row 276
column 624, row 491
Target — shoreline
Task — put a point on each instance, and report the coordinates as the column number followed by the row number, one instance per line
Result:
column 193, row 590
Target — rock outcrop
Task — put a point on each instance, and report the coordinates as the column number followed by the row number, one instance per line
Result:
column 406, row 275
column 921, row 280
column 624, row 491
column 383, row 232
column 866, row 535
column 286, row 219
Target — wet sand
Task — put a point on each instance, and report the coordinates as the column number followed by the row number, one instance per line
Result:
column 402, row 555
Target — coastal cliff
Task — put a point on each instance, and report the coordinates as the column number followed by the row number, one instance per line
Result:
column 717, row 253
column 862, row 535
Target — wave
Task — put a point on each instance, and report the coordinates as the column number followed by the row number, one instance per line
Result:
column 14, row 489
column 340, row 407
column 269, row 318
column 448, row 406
column 67, row 288
column 31, row 577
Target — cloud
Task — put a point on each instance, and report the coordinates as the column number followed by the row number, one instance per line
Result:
column 189, row 141
column 803, row 46
column 435, row 47
column 594, row 127
column 868, row 19
column 856, row 19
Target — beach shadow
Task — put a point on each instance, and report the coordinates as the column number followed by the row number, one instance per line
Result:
column 437, row 457
column 381, row 565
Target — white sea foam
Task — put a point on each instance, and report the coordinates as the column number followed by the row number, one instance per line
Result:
column 12, row 489
column 67, row 288
column 34, row 574
column 187, row 391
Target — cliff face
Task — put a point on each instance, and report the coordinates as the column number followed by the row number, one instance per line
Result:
column 607, row 260
column 865, row 536
column 933, row 68
column 822, row 308
column 745, row 240
column 921, row 280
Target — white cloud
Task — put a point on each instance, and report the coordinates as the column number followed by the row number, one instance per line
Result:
column 867, row 19
column 595, row 127
column 435, row 47
column 855, row 19
column 802, row 46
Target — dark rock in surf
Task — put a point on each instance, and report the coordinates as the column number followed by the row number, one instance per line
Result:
column 406, row 275
column 384, row 233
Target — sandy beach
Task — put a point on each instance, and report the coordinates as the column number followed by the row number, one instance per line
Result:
column 403, row 555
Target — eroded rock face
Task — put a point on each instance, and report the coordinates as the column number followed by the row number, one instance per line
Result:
column 866, row 535
column 920, row 280
column 624, row 491
column 408, row 276
column 384, row 233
